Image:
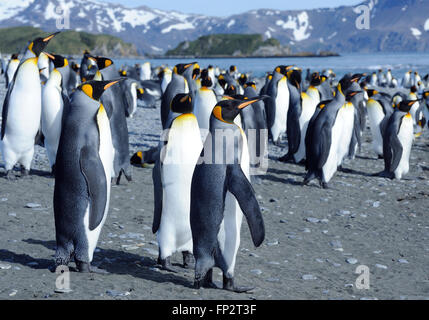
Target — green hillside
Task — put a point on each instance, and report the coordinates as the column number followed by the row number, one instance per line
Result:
column 223, row 45
column 67, row 42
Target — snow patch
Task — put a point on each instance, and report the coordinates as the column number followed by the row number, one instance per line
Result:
column 230, row 24
column 299, row 25
column 426, row 27
column 416, row 33
column 9, row 8
column 178, row 26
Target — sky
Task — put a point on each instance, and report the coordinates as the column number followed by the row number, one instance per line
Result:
column 227, row 7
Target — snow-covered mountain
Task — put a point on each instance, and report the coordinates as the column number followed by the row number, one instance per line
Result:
column 395, row 25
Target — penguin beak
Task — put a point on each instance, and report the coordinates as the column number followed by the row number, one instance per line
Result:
column 47, row 39
column 247, row 103
column 50, row 56
column 107, row 86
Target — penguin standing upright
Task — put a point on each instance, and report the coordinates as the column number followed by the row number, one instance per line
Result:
column 324, row 135
column 44, row 66
column 179, row 154
column 293, row 129
column 413, row 96
column 179, row 84
column 22, row 111
column 218, row 182
column 379, row 108
column 11, row 69
column 53, row 101
column 145, row 71
column 116, row 107
column 277, row 107
column 425, row 106
column 205, row 100
column 82, row 178
column 398, row 140
column 166, row 79
column 255, row 127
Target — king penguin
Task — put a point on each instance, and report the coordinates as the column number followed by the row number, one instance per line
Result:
column 179, row 154
column 220, row 194
column 205, row 100
column 179, row 84
column 11, row 69
column 53, row 102
column 22, row 110
column 277, row 107
column 324, row 135
column 82, row 178
column 398, row 140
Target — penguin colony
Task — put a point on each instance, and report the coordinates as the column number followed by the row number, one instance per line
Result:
column 216, row 128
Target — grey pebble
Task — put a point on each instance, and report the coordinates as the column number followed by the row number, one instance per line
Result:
column 336, row 244
column 5, row 266
column 376, row 204
column 273, row 279
column 151, row 251
column 256, row 271
column 381, row 266
column 403, row 261
column 351, row 260
column 308, row 277
column 32, row 205
column 273, row 243
column 312, row 220
column 114, row 293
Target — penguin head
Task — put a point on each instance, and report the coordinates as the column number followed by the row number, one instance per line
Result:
column 182, row 67
column 206, row 82
column 75, row 67
column 14, row 56
column 39, row 44
column 204, row 74
column 294, row 77
column 102, row 62
column 351, row 94
column 123, row 73
column 413, row 89
column 315, row 79
column 227, row 110
column 196, row 71
column 250, row 84
column 242, row 79
column 347, row 81
column 140, row 92
column 182, row 103
column 232, row 69
column 405, row 105
column 230, row 90
column 94, row 89
column 371, row 92
column 283, row 69
column 57, row 60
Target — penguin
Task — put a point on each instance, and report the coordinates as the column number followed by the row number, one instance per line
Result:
column 277, row 107
column 131, row 89
column 11, row 69
column 53, row 102
column 397, row 142
column 374, row 80
column 389, row 78
column 21, row 113
column 255, row 127
column 180, row 152
column 82, row 177
column 205, row 100
column 166, row 79
column 358, row 102
column 293, row 129
column 425, row 106
column 145, row 71
column 218, row 188
column 407, row 81
column 378, row 108
column 44, row 65
column 308, row 102
column 74, row 79
column 32, row 51
column 179, row 84
column 88, row 67
column 413, row 96
column 323, row 138
column 325, row 89
column 116, row 106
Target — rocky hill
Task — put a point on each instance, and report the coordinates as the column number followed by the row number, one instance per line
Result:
column 395, row 25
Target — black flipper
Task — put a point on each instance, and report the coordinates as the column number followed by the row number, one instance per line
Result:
column 325, row 145
column 397, row 149
column 95, row 177
column 243, row 191
column 157, row 191
column 39, row 140
column 6, row 108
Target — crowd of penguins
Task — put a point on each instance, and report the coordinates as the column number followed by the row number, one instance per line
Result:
column 78, row 112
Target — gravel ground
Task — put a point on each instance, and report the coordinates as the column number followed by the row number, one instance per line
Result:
column 315, row 239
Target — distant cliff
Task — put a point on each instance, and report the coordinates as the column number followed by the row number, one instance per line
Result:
column 67, row 42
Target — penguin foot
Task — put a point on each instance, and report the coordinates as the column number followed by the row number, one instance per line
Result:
column 188, row 260
column 385, row 174
column 228, row 284
column 24, row 172
column 286, row 158
column 10, row 176
column 325, row 185
column 206, row 282
column 166, row 265
column 84, row 267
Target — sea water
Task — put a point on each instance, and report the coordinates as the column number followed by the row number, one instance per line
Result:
column 399, row 63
